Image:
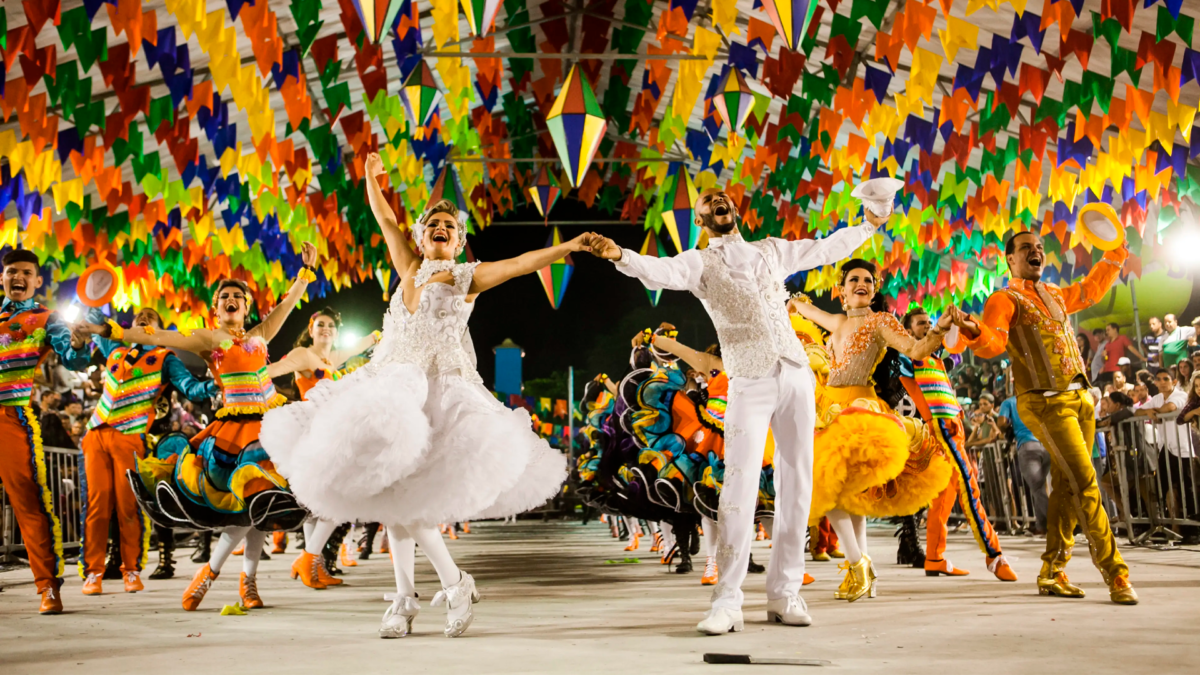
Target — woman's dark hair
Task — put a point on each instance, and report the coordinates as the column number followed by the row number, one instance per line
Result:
column 1120, row 398
column 240, row 285
column 887, row 373
column 305, row 337
column 1190, row 368
column 1086, row 350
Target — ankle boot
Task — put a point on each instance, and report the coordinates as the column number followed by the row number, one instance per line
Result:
column 204, row 548
column 166, row 564
column 113, row 569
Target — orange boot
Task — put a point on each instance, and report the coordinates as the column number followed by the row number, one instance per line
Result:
column 323, row 572
column 935, row 568
column 466, row 527
column 344, row 558
column 383, row 545
column 633, row 542
column 248, row 590
column 452, row 534
column 194, row 593
column 762, row 533
column 1000, row 567
column 710, row 573
column 240, row 549
column 808, row 579
column 305, row 567
column 279, row 538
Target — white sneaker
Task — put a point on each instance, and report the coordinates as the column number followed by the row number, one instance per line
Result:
column 398, row 619
column 790, row 611
column 458, row 600
column 720, row 621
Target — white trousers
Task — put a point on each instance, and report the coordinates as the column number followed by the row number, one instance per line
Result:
column 782, row 402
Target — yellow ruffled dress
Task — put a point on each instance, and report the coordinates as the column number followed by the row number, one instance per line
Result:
column 867, row 459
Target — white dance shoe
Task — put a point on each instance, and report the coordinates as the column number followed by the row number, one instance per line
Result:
column 720, row 621
column 458, row 600
column 398, row 619
column 790, row 611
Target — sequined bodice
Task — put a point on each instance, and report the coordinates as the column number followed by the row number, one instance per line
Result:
column 854, row 363
column 435, row 336
column 752, row 321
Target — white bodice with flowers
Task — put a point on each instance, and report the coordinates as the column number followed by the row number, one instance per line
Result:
column 435, row 337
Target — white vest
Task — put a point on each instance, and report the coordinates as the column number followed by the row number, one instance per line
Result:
column 752, row 323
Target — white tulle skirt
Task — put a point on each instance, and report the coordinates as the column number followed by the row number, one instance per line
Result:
column 398, row 447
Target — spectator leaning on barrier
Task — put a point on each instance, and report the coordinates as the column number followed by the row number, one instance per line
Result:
column 1152, row 342
column 1119, row 383
column 1184, row 371
column 986, row 430
column 1033, row 460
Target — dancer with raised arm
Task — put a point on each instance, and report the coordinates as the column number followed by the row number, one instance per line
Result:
column 413, row 439
column 137, row 389
column 312, row 361
column 224, row 479
column 869, row 460
column 1030, row 320
column 741, row 284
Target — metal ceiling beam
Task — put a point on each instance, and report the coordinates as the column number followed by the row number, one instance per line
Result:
column 567, row 56
column 552, row 160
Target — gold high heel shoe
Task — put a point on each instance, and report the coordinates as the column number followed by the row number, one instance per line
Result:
column 857, row 583
column 840, row 593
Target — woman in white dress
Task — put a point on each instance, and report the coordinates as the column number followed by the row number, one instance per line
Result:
column 413, row 438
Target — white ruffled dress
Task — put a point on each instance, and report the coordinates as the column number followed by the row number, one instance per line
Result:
column 413, row 437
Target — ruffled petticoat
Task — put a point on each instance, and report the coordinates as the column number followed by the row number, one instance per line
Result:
column 868, row 460
column 395, row 446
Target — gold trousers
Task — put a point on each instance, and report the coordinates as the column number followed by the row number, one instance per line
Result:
column 1066, row 425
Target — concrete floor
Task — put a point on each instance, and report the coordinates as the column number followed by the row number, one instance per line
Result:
column 553, row 605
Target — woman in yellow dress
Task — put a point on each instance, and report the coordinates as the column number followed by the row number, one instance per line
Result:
column 868, row 460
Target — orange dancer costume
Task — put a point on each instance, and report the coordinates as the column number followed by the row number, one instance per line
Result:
column 135, row 380
column 927, row 384
column 28, row 333
column 1029, row 320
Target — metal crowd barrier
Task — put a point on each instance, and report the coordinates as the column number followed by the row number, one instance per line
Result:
column 62, row 476
column 1149, row 482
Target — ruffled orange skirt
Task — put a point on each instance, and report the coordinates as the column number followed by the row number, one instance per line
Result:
column 870, row 461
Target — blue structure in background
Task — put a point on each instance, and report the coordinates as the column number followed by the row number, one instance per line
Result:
column 509, row 356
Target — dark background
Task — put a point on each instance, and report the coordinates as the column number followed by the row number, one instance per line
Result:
column 601, row 310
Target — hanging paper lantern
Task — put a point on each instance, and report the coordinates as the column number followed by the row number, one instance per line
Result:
column 557, row 274
column 791, row 19
column 377, row 16
column 481, row 14
column 734, row 100
column 652, row 248
column 576, row 124
column 447, row 187
column 544, row 193
column 679, row 215
column 420, row 94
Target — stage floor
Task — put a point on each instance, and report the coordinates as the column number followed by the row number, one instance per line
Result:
column 552, row 605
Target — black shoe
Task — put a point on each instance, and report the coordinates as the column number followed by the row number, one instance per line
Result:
column 166, row 562
column 264, row 556
column 684, row 567
column 909, row 550
column 204, row 549
column 755, row 568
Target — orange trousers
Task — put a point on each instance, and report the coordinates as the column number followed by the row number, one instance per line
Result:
column 23, row 472
column 107, row 455
column 964, row 487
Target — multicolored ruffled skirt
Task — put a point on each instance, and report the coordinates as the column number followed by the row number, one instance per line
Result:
column 870, row 461
column 222, row 477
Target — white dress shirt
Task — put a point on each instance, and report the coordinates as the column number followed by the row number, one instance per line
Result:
column 741, row 287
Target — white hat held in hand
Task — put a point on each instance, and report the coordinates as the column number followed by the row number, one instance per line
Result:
column 877, row 194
